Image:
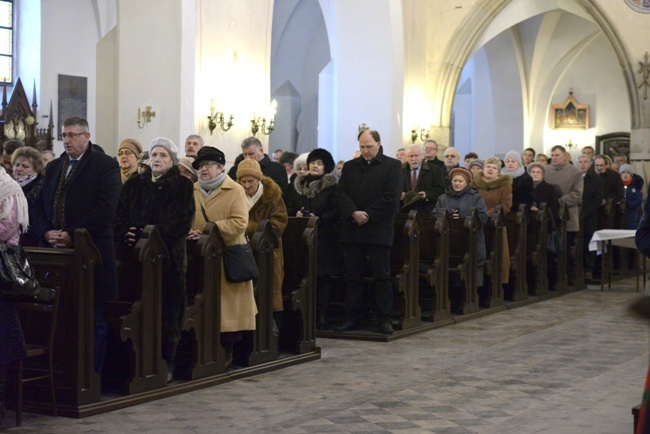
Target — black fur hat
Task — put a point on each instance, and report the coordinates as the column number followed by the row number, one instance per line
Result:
column 324, row 156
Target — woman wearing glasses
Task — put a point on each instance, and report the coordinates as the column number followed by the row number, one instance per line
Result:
column 162, row 198
column 220, row 200
column 128, row 158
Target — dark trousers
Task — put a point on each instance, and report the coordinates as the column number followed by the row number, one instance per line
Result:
column 355, row 266
column 101, row 338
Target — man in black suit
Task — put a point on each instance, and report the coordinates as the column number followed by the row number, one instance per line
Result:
column 252, row 148
column 429, row 180
column 81, row 190
column 368, row 196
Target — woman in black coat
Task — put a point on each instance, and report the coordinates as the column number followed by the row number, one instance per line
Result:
column 314, row 194
column 165, row 199
column 549, row 194
column 28, row 165
column 522, row 184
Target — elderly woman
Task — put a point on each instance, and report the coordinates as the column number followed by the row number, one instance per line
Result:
column 632, row 188
column 185, row 166
column 264, row 202
column 164, row 199
column 127, row 154
column 28, row 165
column 143, row 163
column 14, row 219
column 549, row 194
column 300, row 164
column 476, row 166
column 496, row 190
column 315, row 195
column 522, row 184
column 221, row 200
column 459, row 198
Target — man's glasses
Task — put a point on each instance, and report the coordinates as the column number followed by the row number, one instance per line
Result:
column 70, row 135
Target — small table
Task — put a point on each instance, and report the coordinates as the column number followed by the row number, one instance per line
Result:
column 602, row 242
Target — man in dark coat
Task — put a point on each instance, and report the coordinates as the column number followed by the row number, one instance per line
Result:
column 592, row 198
column 81, row 190
column 612, row 184
column 431, row 153
column 368, row 196
column 252, row 148
column 429, row 181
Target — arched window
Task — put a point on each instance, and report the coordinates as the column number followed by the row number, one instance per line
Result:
column 6, row 40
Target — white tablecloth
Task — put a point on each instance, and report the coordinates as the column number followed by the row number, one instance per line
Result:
column 618, row 237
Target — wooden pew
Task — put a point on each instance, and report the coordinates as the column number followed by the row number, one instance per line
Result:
column 434, row 264
column 136, row 316
column 579, row 257
column 463, row 258
column 71, row 272
column 261, row 346
column 405, row 260
column 536, row 256
column 299, row 243
column 517, row 227
column 203, row 313
column 493, row 281
column 564, row 256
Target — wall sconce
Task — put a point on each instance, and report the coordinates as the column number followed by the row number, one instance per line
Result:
column 259, row 122
column 571, row 145
column 363, row 127
column 218, row 118
column 145, row 117
column 424, row 134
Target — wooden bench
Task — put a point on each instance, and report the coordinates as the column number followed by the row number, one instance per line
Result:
column 404, row 264
column 493, row 268
column 536, row 253
column 203, row 313
column 434, row 265
column 299, row 243
column 261, row 346
column 564, row 256
column 71, row 272
column 463, row 259
column 517, row 228
column 136, row 316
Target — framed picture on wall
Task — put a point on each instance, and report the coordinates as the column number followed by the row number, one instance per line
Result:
column 570, row 115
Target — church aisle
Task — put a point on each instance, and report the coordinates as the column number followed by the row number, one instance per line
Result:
column 572, row 364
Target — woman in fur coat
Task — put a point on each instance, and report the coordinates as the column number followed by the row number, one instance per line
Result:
column 315, row 195
column 496, row 190
column 163, row 198
column 264, row 201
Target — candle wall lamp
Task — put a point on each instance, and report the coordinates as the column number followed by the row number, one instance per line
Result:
column 218, row 118
column 423, row 135
column 259, row 123
column 145, row 116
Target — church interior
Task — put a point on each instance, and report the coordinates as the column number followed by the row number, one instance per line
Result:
column 483, row 76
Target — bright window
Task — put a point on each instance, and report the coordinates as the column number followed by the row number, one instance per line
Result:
column 6, row 40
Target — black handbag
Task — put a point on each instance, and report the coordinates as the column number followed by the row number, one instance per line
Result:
column 17, row 278
column 238, row 260
column 239, row 263
column 554, row 242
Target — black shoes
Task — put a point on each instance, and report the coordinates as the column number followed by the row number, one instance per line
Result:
column 347, row 326
column 386, row 327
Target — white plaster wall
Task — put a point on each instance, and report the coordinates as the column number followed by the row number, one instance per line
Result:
column 368, row 71
column 67, row 49
column 233, row 67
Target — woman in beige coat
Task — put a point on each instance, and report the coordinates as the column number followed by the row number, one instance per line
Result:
column 224, row 203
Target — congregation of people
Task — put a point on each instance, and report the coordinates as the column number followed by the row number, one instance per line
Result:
column 45, row 198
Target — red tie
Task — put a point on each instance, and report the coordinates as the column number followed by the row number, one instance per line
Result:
column 414, row 181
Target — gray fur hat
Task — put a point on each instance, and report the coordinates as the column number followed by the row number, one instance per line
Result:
column 167, row 144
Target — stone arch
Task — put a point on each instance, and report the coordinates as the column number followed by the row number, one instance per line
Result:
column 475, row 24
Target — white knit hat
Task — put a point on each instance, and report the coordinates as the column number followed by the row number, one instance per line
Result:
column 167, row 144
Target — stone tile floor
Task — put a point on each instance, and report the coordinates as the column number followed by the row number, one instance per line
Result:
column 572, row 364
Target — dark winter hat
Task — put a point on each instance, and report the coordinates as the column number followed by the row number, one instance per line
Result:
column 324, row 156
column 478, row 162
column 209, row 153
